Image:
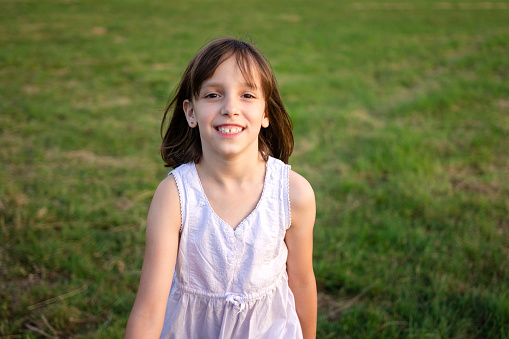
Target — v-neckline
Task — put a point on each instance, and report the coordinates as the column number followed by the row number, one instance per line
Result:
column 241, row 224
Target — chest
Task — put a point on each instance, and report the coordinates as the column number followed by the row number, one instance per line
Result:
column 235, row 204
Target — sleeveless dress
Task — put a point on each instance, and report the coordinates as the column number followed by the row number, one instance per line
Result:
column 232, row 283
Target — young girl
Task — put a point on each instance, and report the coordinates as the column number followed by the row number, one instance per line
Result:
column 229, row 236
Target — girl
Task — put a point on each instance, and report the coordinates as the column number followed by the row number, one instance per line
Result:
column 226, row 256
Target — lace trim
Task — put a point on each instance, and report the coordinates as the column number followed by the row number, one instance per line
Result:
column 177, row 181
column 287, row 178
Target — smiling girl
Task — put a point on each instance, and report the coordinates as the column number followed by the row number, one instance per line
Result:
column 229, row 235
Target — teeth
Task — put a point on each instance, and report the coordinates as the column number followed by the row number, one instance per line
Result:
column 226, row 130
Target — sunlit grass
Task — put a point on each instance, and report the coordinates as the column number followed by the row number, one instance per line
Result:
column 401, row 114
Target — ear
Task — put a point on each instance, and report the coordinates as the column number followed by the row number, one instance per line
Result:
column 265, row 120
column 189, row 111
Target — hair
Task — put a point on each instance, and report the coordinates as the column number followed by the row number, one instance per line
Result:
column 181, row 144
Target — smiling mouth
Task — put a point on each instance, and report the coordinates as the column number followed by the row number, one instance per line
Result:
column 229, row 130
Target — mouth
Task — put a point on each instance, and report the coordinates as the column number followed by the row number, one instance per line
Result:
column 229, row 130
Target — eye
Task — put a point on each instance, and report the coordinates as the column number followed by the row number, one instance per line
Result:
column 248, row 96
column 211, row 95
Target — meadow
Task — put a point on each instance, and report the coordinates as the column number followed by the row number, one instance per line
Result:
column 401, row 122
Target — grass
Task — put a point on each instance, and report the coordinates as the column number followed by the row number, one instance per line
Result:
column 401, row 113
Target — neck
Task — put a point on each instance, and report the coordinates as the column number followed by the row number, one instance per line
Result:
column 227, row 170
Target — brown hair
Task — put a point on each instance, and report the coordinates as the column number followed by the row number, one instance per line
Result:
column 181, row 144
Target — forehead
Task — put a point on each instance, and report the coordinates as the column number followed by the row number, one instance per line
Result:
column 236, row 67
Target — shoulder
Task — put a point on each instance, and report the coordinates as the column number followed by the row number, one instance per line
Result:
column 301, row 192
column 167, row 188
column 300, row 188
column 302, row 198
column 165, row 206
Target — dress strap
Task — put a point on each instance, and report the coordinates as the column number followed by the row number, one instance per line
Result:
column 177, row 174
column 279, row 179
column 286, row 195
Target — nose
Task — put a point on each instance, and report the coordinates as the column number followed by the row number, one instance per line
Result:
column 230, row 106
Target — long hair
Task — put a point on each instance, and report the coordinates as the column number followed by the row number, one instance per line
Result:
column 181, row 144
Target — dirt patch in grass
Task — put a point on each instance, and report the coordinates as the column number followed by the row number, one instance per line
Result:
column 475, row 187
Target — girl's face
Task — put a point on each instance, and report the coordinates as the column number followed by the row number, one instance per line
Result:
column 228, row 112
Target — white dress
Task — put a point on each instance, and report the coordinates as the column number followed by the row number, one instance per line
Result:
column 232, row 283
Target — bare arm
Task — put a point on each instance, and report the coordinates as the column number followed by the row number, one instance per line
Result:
column 299, row 240
column 163, row 224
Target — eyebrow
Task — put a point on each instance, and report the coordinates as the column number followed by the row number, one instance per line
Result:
column 218, row 84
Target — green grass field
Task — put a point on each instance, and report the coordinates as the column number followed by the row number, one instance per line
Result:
column 401, row 114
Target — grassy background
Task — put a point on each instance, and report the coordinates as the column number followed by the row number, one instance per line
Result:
column 401, row 113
